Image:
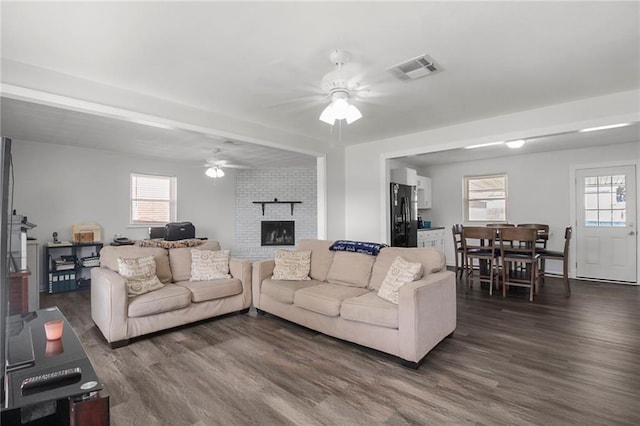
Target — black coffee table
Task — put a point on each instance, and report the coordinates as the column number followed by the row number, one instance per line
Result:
column 48, row 357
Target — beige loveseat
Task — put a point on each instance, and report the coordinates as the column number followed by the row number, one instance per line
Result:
column 341, row 299
column 179, row 302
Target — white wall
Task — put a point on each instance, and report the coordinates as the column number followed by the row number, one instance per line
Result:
column 365, row 167
column 266, row 185
column 57, row 186
column 95, row 98
column 538, row 189
column 335, row 189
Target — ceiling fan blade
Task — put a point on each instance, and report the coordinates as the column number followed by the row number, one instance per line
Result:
column 306, row 99
column 235, row 166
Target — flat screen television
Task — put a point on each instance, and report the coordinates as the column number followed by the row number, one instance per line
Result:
column 6, row 186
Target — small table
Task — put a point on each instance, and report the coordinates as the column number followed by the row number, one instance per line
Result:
column 51, row 356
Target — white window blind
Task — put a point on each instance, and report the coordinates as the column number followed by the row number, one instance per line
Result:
column 486, row 198
column 153, row 199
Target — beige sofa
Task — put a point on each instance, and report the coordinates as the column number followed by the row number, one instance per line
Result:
column 341, row 299
column 179, row 302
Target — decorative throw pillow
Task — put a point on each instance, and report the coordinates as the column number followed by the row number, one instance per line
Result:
column 292, row 265
column 209, row 265
column 400, row 273
column 140, row 275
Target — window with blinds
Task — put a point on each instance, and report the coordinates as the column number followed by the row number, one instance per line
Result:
column 486, row 198
column 153, row 199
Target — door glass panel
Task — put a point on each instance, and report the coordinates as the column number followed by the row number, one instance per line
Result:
column 591, row 184
column 605, row 200
column 591, row 217
column 591, row 201
column 618, row 217
column 604, row 218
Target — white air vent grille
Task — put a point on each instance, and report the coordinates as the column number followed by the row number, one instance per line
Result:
column 413, row 68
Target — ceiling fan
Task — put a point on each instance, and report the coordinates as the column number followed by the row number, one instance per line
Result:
column 340, row 86
column 214, row 167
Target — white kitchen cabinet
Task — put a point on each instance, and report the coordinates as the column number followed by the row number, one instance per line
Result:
column 431, row 238
column 404, row 176
column 424, row 192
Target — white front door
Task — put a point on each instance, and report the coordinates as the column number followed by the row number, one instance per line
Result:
column 606, row 223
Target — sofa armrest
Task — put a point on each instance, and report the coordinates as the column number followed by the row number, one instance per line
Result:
column 241, row 269
column 109, row 303
column 262, row 270
column 427, row 313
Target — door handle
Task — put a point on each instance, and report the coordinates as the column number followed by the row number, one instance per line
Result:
column 632, row 233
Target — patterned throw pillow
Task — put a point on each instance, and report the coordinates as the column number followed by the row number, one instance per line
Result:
column 400, row 273
column 292, row 265
column 140, row 275
column 209, row 265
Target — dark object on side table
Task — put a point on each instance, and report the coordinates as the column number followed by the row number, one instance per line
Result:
column 179, row 231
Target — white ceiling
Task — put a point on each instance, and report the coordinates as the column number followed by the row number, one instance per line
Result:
column 572, row 140
column 40, row 123
column 263, row 62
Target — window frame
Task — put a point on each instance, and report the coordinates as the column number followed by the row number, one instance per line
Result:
column 465, row 197
column 172, row 202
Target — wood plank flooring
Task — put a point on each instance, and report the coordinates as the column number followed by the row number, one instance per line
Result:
column 556, row 361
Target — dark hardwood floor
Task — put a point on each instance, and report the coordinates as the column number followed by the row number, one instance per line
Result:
column 557, row 361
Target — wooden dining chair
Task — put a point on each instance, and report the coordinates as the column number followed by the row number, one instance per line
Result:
column 543, row 233
column 479, row 243
column 458, row 248
column 518, row 247
column 498, row 226
column 541, row 242
column 560, row 255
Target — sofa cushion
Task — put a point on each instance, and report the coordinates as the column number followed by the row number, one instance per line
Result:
column 180, row 259
column 292, row 265
column 202, row 291
column 400, row 273
column 321, row 257
column 370, row 309
column 283, row 290
column 431, row 259
column 209, row 265
column 326, row 298
column 139, row 274
column 353, row 269
column 168, row 298
column 109, row 258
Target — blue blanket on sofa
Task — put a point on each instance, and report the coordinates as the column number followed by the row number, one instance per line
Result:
column 357, row 247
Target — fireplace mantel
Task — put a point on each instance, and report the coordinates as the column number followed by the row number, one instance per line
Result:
column 292, row 203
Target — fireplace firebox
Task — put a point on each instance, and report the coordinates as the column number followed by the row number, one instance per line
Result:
column 278, row 233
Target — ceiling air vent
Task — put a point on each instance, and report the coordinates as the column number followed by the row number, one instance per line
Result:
column 413, row 68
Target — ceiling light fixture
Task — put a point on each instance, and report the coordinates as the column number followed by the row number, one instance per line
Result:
column 338, row 84
column 340, row 109
column 214, row 172
column 481, row 145
column 516, row 144
column 609, row 126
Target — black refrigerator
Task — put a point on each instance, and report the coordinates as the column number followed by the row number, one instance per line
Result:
column 404, row 215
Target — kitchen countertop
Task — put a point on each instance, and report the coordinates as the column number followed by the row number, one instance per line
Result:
column 431, row 229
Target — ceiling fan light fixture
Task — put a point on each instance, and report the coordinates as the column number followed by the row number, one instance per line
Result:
column 214, row 172
column 340, row 109
column 353, row 114
column 328, row 116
